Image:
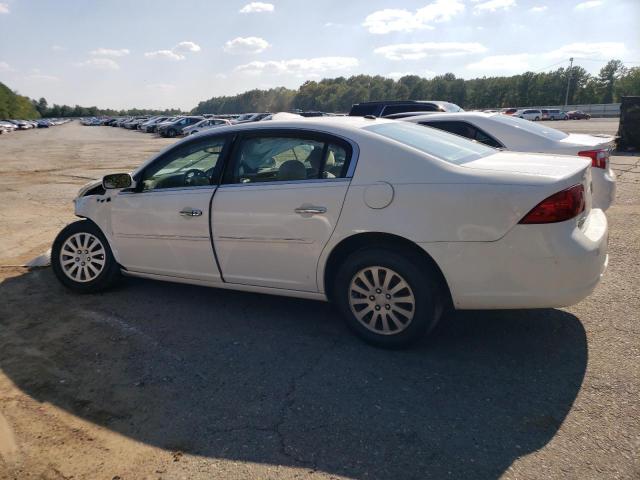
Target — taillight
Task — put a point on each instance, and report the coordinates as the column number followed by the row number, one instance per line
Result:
column 558, row 207
column 598, row 157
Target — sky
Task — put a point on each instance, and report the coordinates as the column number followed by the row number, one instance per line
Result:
column 175, row 53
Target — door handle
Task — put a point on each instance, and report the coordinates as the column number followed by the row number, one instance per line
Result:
column 310, row 210
column 190, row 212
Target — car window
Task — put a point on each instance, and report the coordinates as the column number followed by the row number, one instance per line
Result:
column 459, row 128
column 466, row 130
column 530, row 127
column 193, row 164
column 442, row 145
column 282, row 158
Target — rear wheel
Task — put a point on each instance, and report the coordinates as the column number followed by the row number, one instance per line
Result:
column 82, row 259
column 387, row 299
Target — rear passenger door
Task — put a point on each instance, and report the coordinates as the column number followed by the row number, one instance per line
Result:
column 280, row 200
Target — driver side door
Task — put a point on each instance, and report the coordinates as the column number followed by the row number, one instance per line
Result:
column 162, row 226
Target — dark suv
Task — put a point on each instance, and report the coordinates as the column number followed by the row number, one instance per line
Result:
column 175, row 128
column 382, row 109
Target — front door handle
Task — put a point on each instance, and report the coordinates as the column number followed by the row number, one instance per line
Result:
column 190, row 212
column 310, row 210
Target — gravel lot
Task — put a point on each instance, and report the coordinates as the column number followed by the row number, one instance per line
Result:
column 157, row 380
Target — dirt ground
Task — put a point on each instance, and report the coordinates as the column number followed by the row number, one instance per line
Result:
column 163, row 381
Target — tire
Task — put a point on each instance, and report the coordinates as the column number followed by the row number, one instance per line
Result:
column 90, row 276
column 406, row 322
column 171, row 133
column 537, row 119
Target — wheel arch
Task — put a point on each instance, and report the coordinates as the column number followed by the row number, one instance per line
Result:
column 359, row 241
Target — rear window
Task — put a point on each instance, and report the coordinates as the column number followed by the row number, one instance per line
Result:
column 442, row 145
column 530, row 127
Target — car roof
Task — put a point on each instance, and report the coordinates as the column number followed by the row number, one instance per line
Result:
column 451, row 116
column 325, row 124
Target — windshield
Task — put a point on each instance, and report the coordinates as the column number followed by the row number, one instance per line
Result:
column 442, row 145
column 530, row 127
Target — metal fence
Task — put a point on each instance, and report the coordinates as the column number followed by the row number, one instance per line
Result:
column 595, row 110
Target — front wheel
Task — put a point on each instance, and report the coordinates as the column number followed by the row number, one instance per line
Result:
column 82, row 259
column 387, row 299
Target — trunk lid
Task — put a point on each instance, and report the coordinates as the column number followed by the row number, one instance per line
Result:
column 535, row 164
column 588, row 142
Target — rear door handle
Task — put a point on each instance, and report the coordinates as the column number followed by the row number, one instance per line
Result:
column 310, row 210
column 190, row 212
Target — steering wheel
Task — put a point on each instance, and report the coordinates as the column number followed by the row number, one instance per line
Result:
column 194, row 177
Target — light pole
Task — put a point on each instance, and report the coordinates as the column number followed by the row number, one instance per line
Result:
column 566, row 97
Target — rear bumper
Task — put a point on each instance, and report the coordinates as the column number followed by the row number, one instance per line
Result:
column 604, row 188
column 533, row 266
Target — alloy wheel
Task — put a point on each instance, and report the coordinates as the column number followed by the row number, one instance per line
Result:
column 82, row 257
column 381, row 300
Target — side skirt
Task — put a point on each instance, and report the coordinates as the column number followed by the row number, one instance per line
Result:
column 230, row 286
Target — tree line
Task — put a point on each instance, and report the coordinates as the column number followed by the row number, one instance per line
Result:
column 14, row 105
column 338, row 94
column 528, row 89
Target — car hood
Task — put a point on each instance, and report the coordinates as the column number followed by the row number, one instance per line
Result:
column 543, row 165
column 584, row 140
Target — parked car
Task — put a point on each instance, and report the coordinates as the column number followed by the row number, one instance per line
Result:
column 144, row 126
column 529, row 114
column 554, row 114
column 384, row 108
column 511, row 133
column 205, row 124
column 251, row 117
column 7, row 126
column 20, row 124
column 43, row 124
column 390, row 221
column 578, row 115
column 151, row 126
column 176, row 127
column 399, row 116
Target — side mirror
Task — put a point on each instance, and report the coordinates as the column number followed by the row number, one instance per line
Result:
column 117, row 180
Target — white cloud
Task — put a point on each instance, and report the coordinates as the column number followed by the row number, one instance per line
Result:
column 494, row 5
column 587, row 50
column 57, row 48
column 515, row 63
column 161, row 87
column 299, row 66
column 186, row 47
column 520, row 62
column 5, row 67
column 587, row 5
column 400, row 20
column 541, row 8
column 176, row 53
column 4, row 8
column 399, row 75
column 109, row 52
column 42, row 78
column 416, row 51
column 246, row 45
column 257, row 7
column 166, row 54
column 100, row 64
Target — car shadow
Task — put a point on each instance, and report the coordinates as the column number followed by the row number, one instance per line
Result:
column 273, row 380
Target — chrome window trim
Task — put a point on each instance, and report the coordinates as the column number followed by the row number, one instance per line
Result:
column 286, row 182
column 169, row 190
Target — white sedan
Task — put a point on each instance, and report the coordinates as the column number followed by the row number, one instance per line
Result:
column 510, row 133
column 391, row 221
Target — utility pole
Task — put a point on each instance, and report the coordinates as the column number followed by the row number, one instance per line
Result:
column 566, row 97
